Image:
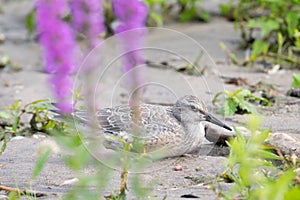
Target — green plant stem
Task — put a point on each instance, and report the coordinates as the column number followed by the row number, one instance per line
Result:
column 123, row 186
column 20, row 192
column 124, row 173
column 3, row 147
column 283, row 57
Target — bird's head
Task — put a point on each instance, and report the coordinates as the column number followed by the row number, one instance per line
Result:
column 190, row 109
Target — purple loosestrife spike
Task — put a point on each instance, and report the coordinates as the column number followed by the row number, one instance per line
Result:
column 131, row 18
column 131, row 14
column 88, row 18
column 62, row 86
column 59, row 45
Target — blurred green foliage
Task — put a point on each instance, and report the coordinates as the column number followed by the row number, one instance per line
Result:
column 39, row 112
column 250, row 168
column 191, row 10
column 40, row 163
column 269, row 28
column 296, row 81
column 76, row 156
column 30, row 21
column 240, row 102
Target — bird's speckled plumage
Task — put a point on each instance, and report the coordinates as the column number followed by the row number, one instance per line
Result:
column 174, row 129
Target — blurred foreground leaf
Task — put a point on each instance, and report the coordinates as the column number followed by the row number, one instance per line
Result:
column 296, row 81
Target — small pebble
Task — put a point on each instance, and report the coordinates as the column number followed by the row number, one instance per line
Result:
column 72, row 181
column 207, row 186
column 197, row 169
column 38, row 136
column 2, row 38
column 178, row 168
column 17, row 138
column 294, row 92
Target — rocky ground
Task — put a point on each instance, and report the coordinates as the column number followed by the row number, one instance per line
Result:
column 174, row 44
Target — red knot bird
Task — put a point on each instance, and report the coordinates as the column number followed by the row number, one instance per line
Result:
column 176, row 129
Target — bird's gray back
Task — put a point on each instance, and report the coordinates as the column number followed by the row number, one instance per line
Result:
column 150, row 119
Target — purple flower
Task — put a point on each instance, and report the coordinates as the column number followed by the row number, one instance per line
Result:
column 59, row 45
column 87, row 18
column 62, row 86
column 131, row 14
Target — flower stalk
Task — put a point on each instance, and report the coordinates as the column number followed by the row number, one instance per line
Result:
column 58, row 42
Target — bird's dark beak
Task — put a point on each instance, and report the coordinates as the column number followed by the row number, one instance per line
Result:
column 214, row 120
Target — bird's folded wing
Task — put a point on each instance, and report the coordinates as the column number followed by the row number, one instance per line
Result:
column 147, row 120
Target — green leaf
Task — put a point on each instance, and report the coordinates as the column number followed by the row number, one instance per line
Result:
column 188, row 14
column 253, row 123
column 242, row 92
column 5, row 115
column 269, row 26
column 279, row 42
column 3, row 147
column 30, row 21
column 37, row 102
column 16, row 124
column 248, row 107
column 266, row 25
column 240, row 136
column 225, row 8
column 293, row 193
column 296, row 81
column 267, row 154
column 259, row 47
column 281, row 186
column 230, row 107
column 238, row 101
column 68, row 141
column 238, row 92
column 217, row 97
column 292, row 21
column 157, row 18
column 80, row 159
column 255, row 23
column 203, row 15
column 261, row 137
column 15, row 105
column 240, row 97
column 40, row 163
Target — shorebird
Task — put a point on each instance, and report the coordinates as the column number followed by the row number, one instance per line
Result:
column 176, row 130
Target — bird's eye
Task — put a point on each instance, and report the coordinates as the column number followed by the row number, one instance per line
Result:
column 194, row 108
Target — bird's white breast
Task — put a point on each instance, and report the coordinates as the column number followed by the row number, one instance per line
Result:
column 195, row 134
